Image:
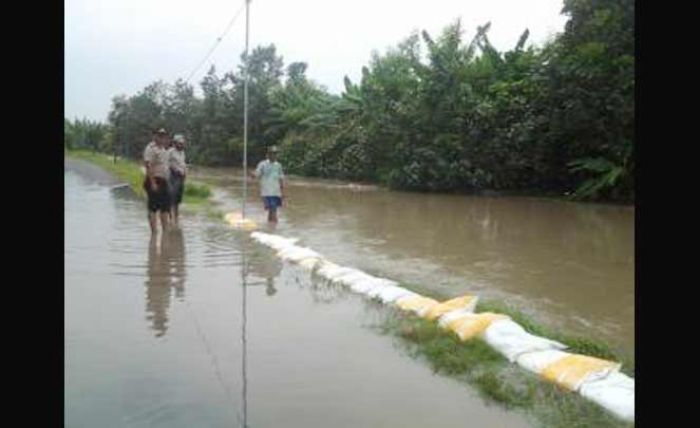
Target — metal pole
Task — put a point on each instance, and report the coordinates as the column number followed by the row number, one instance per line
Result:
column 245, row 110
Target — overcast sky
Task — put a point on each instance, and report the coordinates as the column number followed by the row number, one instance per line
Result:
column 117, row 47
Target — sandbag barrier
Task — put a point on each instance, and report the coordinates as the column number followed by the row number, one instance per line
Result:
column 598, row 380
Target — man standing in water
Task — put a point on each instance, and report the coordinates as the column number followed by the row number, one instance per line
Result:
column 178, row 171
column 156, row 159
column 271, row 177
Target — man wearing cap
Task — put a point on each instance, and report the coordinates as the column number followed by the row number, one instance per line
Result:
column 271, row 177
column 156, row 159
column 178, row 171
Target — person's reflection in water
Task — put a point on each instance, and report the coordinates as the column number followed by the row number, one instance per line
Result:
column 270, row 290
column 174, row 254
column 157, row 288
column 266, row 268
column 161, row 279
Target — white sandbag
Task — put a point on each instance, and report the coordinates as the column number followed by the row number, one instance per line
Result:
column 282, row 245
column 367, row 285
column 390, row 293
column 296, row 254
column 356, row 280
column 615, row 393
column 348, row 276
column 263, row 238
column 259, row 236
column 364, row 284
column 511, row 340
column 536, row 361
column 331, row 271
column 275, row 241
column 310, row 263
column 351, row 277
column 280, row 242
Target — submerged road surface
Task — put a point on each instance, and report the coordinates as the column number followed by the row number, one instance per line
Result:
column 202, row 328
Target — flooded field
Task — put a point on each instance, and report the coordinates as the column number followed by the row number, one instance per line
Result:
column 570, row 265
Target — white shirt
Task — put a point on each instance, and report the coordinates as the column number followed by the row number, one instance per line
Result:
column 177, row 160
column 159, row 159
column 269, row 174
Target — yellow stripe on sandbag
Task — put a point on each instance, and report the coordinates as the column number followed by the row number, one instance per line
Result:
column 571, row 371
column 471, row 325
column 417, row 304
column 232, row 217
column 236, row 220
column 450, row 305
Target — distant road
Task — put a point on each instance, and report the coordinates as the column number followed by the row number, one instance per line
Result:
column 90, row 171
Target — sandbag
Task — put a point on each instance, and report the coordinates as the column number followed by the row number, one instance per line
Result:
column 417, row 304
column 310, row 263
column 448, row 317
column 296, row 254
column 390, row 293
column 281, row 245
column 596, row 379
column 511, row 340
column 332, row 271
column 275, row 241
column 573, row 370
column 469, row 325
column 614, row 392
column 466, row 302
column 369, row 285
column 351, row 277
column 536, row 361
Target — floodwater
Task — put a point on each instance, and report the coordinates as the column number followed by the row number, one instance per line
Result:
column 569, row 265
column 204, row 328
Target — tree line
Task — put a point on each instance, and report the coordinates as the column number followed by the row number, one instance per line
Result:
column 441, row 113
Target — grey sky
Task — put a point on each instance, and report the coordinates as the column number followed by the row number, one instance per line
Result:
column 117, row 47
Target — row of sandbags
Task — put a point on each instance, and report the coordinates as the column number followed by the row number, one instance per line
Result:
column 596, row 379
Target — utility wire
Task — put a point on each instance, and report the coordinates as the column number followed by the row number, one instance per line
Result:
column 216, row 43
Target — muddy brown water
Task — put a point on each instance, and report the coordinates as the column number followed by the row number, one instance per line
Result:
column 569, row 265
column 203, row 328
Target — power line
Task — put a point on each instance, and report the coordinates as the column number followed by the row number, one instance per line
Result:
column 218, row 40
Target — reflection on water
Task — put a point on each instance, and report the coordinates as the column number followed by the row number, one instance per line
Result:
column 244, row 344
column 262, row 270
column 270, row 290
column 165, row 273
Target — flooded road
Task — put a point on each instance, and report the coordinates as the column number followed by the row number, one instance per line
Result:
column 203, row 328
column 570, row 265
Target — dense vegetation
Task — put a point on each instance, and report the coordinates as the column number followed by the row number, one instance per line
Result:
column 433, row 113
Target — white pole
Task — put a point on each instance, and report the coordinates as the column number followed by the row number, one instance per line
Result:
column 245, row 111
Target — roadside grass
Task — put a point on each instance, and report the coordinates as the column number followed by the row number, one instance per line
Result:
column 496, row 380
column 132, row 173
column 576, row 343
